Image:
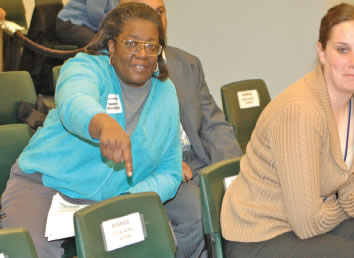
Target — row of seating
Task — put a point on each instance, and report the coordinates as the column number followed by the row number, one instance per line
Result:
column 159, row 241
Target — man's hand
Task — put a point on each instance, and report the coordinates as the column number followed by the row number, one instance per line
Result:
column 2, row 14
column 186, row 172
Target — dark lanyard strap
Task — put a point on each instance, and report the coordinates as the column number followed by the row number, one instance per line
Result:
column 347, row 141
column 348, row 129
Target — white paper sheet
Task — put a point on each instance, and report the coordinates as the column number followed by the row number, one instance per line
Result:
column 60, row 220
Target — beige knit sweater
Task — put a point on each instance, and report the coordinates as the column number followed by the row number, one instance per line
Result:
column 292, row 162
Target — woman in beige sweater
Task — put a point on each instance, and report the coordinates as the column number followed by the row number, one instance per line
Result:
column 294, row 196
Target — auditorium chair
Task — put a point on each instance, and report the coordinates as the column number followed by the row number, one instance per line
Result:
column 16, row 243
column 15, row 86
column 13, row 139
column 159, row 240
column 242, row 109
column 212, row 189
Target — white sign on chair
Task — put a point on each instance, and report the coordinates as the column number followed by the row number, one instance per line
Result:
column 122, row 231
column 228, row 181
column 248, row 99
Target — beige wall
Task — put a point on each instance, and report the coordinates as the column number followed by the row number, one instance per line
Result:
column 330, row 3
column 29, row 5
column 274, row 40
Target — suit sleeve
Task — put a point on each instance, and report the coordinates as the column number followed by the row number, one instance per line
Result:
column 96, row 10
column 218, row 136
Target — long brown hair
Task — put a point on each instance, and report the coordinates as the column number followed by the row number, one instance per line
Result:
column 335, row 15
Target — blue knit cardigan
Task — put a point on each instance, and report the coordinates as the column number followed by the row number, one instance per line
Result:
column 70, row 160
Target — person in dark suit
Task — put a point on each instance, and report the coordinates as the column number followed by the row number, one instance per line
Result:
column 205, row 137
column 209, row 139
column 79, row 20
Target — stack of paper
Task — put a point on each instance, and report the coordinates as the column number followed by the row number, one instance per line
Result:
column 60, row 220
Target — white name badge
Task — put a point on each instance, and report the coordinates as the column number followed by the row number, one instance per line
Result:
column 123, row 231
column 114, row 105
column 2, row 256
column 248, row 99
column 228, row 181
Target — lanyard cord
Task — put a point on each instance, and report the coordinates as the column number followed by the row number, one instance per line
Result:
column 346, row 144
column 347, row 141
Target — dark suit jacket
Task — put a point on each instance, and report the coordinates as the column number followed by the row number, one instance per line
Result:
column 204, row 122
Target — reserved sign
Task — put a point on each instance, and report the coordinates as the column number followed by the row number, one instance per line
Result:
column 123, row 231
column 248, row 99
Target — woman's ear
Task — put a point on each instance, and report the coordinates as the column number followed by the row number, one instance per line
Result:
column 321, row 53
column 111, row 47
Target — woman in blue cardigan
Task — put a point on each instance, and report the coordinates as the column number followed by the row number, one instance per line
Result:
column 115, row 128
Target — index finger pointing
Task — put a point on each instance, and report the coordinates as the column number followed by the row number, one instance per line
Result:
column 127, row 156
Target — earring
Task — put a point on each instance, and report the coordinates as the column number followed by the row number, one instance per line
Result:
column 157, row 68
column 110, row 60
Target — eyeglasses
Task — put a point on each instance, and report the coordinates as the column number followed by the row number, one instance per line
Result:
column 133, row 46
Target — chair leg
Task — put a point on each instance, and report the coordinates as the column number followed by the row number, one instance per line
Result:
column 69, row 246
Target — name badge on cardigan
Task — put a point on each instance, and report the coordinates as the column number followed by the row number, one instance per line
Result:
column 114, row 105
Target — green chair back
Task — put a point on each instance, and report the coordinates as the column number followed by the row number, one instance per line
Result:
column 243, row 119
column 15, row 11
column 212, row 191
column 56, row 72
column 13, row 139
column 17, row 242
column 15, row 86
column 158, row 243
